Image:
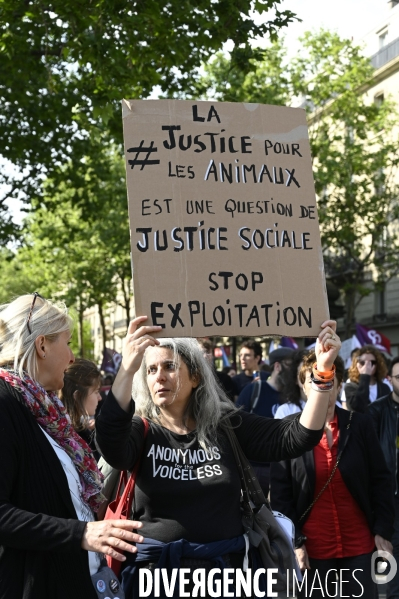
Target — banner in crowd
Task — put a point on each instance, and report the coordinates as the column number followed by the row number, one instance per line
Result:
column 224, row 229
column 363, row 336
column 368, row 336
column 284, row 342
column 111, row 361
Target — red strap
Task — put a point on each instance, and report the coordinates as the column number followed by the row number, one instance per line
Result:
column 120, row 507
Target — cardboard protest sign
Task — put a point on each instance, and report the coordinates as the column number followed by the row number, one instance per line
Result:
column 224, row 230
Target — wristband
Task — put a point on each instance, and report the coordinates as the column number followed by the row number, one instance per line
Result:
column 326, row 375
column 321, row 385
column 320, row 389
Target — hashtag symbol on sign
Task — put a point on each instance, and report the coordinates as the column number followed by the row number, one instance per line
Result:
column 141, row 150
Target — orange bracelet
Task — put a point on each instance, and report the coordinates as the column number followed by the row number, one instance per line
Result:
column 326, row 375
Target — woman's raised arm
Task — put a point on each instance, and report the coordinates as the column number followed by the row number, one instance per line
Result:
column 327, row 348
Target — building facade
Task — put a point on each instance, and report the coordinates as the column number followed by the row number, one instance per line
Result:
column 380, row 309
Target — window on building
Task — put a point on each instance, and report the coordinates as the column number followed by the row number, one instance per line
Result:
column 379, row 99
column 382, row 38
column 380, row 302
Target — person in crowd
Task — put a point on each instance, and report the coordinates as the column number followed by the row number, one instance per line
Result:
column 224, row 379
column 229, row 370
column 187, row 492
column 80, row 396
column 108, row 379
column 250, row 359
column 292, row 394
column 263, row 397
column 385, row 415
column 266, row 368
column 338, row 495
column 366, row 376
column 50, row 487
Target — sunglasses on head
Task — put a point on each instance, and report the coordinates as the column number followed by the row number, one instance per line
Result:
column 35, row 296
column 363, row 362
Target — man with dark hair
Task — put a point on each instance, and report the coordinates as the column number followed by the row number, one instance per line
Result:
column 250, row 358
column 262, row 397
column 385, row 415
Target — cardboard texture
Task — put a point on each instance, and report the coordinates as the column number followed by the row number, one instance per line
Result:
column 224, row 229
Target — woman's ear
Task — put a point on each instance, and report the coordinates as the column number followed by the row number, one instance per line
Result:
column 196, row 379
column 40, row 346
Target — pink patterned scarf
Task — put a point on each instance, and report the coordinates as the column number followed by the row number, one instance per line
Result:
column 50, row 413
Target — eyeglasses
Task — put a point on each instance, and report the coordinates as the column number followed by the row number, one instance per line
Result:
column 395, row 376
column 35, row 296
column 363, row 362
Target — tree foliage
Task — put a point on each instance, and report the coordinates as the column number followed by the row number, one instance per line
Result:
column 354, row 145
column 65, row 66
column 355, row 151
column 85, row 262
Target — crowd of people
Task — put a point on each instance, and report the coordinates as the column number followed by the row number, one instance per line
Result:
column 322, row 442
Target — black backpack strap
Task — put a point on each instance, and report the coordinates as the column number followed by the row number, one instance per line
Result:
column 255, row 395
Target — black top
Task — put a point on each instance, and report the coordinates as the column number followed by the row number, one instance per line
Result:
column 40, row 537
column 227, row 383
column 240, row 381
column 268, row 400
column 183, row 491
column 363, row 470
column 358, row 395
column 385, row 415
column 89, row 436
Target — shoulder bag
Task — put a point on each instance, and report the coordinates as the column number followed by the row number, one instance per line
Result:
column 257, row 386
column 120, row 508
column 274, row 543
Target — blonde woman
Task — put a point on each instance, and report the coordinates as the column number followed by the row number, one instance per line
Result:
column 50, row 487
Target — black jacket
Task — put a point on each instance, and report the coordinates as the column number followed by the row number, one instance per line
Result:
column 358, row 395
column 40, row 537
column 385, row 414
column 362, row 468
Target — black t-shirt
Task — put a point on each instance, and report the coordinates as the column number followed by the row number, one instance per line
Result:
column 227, row 384
column 182, row 490
column 240, row 381
column 180, row 486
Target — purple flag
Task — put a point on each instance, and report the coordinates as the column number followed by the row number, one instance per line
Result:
column 111, row 361
column 288, row 342
column 368, row 336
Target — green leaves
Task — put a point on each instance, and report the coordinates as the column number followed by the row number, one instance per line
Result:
column 354, row 147
column 66, row 64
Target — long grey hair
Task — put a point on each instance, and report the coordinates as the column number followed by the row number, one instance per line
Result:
column 208, row 405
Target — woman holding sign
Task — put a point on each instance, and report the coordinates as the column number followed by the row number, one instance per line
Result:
column 187, row 495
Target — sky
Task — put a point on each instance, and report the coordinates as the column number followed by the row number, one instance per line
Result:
column 349, row 18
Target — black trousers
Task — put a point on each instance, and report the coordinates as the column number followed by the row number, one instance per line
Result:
column 340, row 577
column 393, row 586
